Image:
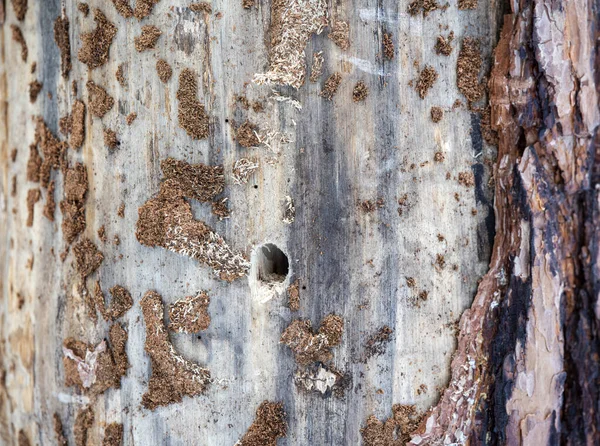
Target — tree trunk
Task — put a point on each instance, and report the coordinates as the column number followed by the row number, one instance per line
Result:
column 299, row 223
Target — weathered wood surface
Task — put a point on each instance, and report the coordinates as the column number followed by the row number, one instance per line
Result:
column 351, row 263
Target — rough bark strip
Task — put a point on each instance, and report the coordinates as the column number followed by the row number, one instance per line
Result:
column 528, row 352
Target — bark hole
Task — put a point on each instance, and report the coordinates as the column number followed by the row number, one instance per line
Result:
column 272, row 265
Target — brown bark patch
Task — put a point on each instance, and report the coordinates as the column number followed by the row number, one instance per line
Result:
column 190, row 314
column 443, row 45
column 269, row 425
column 110, row 139
column 20, row 7
column 309, row 346
column 87, row 257
column 33, row 196
column 123, row 8
column 34, row 90
column 245, row 135
column 83, row 8
column 340, row 34
column 467, row 4
column 220, row 209
column 23, row 439
column 50, row 205
column 113, row 435
column 147, row 40
column 118, row 343
column 94, row 369
column 164, row 70
column 388, row 46
column 120, row 303
column 73, row 204
column 143, row 8
column 192, row 115
column 331, row 86
column 34, row 164
column 437, row 114
column 201, row 7
column 197, row 181
column 167, row 221
column 130, row 118
column 377, row 343
column 53, row 150
column 120, row 75
column 425, row 7
column 395, row 431
column 293, row 293
column 173, row 377
column 427, row 77
column 17, row 36
column 360, row 92
column 468, row 67
column 100, row 101
column 466, row 179
column 83, row 422
column 61, row 37
column 316, row 69
column 61, row 439
column 95, row 45
column 77, row 125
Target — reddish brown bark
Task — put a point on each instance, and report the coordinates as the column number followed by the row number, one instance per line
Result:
column 527, row 367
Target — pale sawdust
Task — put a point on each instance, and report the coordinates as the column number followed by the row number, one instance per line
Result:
column 292, row 24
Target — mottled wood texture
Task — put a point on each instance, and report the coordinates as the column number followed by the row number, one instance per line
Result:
column 351, row 263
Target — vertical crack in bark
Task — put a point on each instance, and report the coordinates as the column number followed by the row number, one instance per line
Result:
column 527, row 363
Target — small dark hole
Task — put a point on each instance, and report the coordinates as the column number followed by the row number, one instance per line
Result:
column 256, row 186
column 304, row 287
column 272, row 264
column 227, row 120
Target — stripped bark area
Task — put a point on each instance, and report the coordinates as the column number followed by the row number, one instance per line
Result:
column 173, row 377
column 541, row 287
column 292, row 24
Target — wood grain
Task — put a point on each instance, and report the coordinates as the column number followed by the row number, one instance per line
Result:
column 340, row 153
